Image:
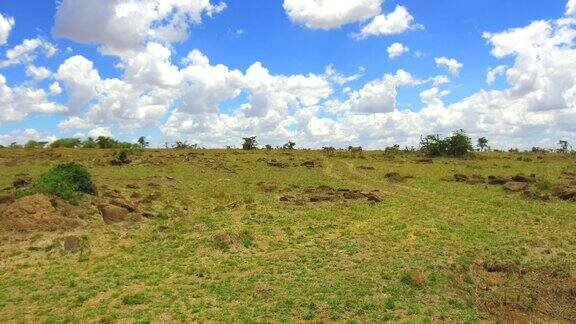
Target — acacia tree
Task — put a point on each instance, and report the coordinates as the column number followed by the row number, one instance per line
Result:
column 289, row 146
column 564, row 146
column 250, row 143
column 482, row 144
column 142, row 142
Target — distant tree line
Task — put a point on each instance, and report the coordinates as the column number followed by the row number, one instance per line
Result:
column 101, row 142
column 458, row 144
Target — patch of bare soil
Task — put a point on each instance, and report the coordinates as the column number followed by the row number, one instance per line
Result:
column 510, row 294
column 35, row 213
column 397, row 177
column 311, row 164
column 328, row 194
column 565, row 192
column 472, row 180
column 277, row 164
column 267, row 187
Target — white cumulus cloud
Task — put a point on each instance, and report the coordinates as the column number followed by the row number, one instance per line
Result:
column 125, row 26
column 451, row 65
column 396, row 50
column 396, row 22
column 6, row 25
column 330, row 14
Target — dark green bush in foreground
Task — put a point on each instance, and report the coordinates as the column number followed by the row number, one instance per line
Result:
column 68, row 181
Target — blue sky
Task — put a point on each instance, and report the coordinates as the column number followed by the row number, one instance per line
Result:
column 263, row 31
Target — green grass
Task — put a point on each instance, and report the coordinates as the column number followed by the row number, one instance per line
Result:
column 225, row 250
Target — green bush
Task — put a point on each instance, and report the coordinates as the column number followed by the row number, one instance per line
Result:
column 121, row 158
column 68, row 181
column 456, row 145
column 66, row 143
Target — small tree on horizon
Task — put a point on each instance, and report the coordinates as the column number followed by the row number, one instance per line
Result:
column 289, row 146
column 250, row 143
column 564, row 146
column 142, row 142
column 482, row 144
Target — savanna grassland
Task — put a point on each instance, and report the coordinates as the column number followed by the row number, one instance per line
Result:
column 296, row 236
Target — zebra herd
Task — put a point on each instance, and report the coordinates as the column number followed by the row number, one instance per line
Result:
column 354, row 150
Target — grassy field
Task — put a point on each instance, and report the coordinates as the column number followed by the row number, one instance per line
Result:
column 219, row 244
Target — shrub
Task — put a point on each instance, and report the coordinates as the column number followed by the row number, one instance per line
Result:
column 89, row 143
column 66, row 143
column 121, row 158
column 459, row 144
column 35, row 145
column 68, row 181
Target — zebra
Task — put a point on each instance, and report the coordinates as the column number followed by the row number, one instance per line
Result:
column 355, row 151
column 329, row 150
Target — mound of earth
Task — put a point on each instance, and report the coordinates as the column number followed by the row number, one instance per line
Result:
column 311, row 164
column 328, row 194
column 115, row 208
column 35, row 213
column 565, row 193
column 277, row 164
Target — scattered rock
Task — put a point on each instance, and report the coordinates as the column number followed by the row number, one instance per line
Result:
column 7, row 198
column 564, row 193
column 317, row 199
column 366, row 168
column 497, row 181
column 460, row 177
column 121, row 202
column 476, row 179
column 22, row 180
column 522, row 178
column 287, row 198
column 372, row 197
column 133, row 186
column 310, row 164
column 113, row 214
column 515, row 186
column 501, row 267
column 353, row 195
column 277, row 164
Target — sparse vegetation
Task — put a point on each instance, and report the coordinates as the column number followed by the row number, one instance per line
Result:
column 222, row 235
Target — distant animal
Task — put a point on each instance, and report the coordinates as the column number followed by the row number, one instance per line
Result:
column 329, row 150
column 355, row 151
